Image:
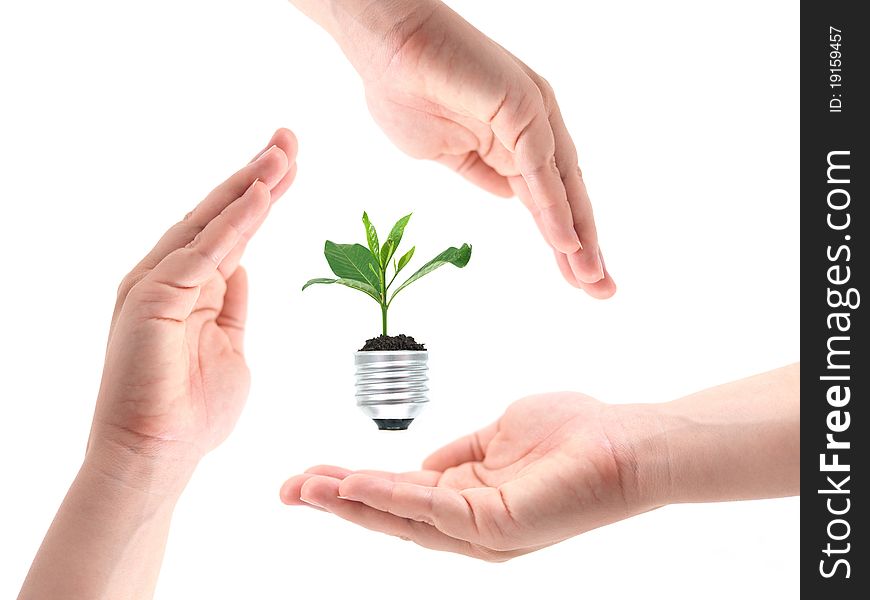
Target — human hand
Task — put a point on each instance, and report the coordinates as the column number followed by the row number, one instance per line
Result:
column 552, row 467
column 442, row 90
column 557, row 465
column 173, row 385
column 175, row 378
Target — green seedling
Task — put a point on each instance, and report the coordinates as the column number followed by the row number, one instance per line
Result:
column 366, row 269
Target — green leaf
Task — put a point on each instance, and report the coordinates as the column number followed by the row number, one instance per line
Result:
column 387, row 253
column 371, row 236
column 351, row 283
column 458, row 257
column 406, row 258
column 395, row 237
column 353, row 261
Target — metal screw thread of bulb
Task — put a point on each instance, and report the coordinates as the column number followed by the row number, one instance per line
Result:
column 391, row 386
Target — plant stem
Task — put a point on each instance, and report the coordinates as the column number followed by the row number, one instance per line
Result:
column 384, row 317
column 391, row 282
column 384, row 305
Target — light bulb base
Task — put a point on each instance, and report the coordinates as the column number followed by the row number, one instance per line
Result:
column 392, row 386
column 393, row 424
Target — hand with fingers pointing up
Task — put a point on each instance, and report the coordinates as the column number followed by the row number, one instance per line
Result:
column 175, row 378
column 174, row 383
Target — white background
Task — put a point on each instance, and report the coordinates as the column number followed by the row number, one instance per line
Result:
column 117, row 117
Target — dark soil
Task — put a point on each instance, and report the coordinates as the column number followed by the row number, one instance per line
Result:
column 391, row 342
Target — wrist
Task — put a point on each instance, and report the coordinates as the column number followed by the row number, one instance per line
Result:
column 369, row 33
column 160, row 472
column 639, row 440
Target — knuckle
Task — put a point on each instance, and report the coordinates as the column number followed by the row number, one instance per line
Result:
column 516, row 116
column 538, row 169
column 466, row 164
column 429, row 499
column 205, row 255
column 186, row 229
column 137, row 288
column 545, row 89
column 568, row 169
column 128, row 282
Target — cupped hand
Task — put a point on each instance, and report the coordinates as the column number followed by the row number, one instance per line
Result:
column 175, row 378
column 552, row 467
column 442, row 90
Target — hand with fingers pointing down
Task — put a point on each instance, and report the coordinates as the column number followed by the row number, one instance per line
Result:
column 442, row 90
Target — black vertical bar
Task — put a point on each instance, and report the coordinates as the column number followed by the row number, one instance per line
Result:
column 835, row 223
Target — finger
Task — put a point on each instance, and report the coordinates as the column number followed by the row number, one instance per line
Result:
column 329, row 471
column 475, row 170
column 231, row 262
column 323, row 492
column 291, row 490
column 455, row 513
column 286, row 140
column 426, row 477
column 421, row 477
column 565, row 268
column 601, row 290
column 470, row 448
column 605, row 288
column 519, row 187
column 270, row 166
column 235, row 309
column 585, row 263
column 522, row 126
column 170, row 290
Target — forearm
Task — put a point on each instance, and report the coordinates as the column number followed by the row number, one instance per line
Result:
column 368, row 31
column 737, row 441
column 108, row 537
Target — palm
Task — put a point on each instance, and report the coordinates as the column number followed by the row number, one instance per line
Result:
column 550, row 460
column 175, row 370
column 183, row 380
column 542, row 473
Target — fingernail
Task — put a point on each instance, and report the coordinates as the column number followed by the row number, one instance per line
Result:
column 268, row 151
column 600, row 267
column 311, row 502
column 250, row 187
